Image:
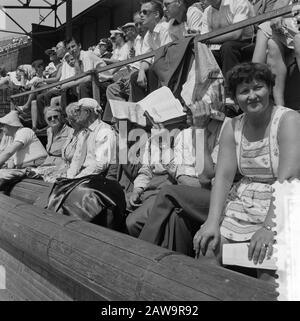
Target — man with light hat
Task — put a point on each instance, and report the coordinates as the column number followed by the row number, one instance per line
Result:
column 121, row 49
column 102, row 139
column 26, row 149
column 54, row 65
column 130, row 32
column 104, row 48
column 120, row 89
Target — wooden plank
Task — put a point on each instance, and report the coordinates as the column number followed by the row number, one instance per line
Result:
column 50, row 284
column 164, row 264
column 107, row 265
column 28, row 190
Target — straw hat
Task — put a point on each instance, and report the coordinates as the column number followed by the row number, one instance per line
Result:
column 11, row 119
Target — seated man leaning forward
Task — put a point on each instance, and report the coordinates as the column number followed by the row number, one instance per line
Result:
column 223, row 13
column 182, row 170
column 180, row 209
column 25, row 149
column 89, row 195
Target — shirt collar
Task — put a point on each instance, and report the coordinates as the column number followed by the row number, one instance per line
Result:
column 94, row 125
column 158, row 27
column 82, row 54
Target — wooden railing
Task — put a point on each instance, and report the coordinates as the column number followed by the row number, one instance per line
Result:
column 197, row 38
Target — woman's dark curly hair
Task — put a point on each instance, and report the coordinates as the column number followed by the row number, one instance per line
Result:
column 247, row 72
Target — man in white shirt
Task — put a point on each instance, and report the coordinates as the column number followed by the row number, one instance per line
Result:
column 121, row 49
column 183, row 19
column 44, row 98
column 101, row 141
column 223, row 13
column 87, row 60
column 157, row 36
column 120, row 89
column 182, row 167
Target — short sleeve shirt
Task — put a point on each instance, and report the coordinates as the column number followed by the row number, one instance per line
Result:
column 121, row 53
column 230, row 12
column 32, row 148
column 158, row 38
column 90, row 61
column 193, row 22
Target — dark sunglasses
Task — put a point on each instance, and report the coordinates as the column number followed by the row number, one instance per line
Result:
column 52, row 117
column 146, row 12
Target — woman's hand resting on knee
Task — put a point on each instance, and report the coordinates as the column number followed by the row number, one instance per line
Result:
column 208, row 234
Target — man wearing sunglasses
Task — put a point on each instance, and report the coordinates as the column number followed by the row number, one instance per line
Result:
column 151, row 14
column 120, row 89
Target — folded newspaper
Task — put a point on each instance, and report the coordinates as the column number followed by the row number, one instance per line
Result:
column 159, row 107
column 237, row 254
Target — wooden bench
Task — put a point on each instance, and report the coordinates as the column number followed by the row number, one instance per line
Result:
column 28, row 190
column 53, row 257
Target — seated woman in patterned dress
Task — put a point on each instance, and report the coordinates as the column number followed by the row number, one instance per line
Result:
column 262, row 144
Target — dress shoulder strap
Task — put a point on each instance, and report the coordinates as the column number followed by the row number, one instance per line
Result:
column 274, row 147
column 238, row 125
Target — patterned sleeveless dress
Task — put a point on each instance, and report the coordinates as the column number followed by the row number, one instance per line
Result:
column 249, row 199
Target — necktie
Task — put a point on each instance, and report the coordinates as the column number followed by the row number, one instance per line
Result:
column 79, row 155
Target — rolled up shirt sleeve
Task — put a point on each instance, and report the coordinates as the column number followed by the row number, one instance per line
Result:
column 242, row 11
column 144, row 177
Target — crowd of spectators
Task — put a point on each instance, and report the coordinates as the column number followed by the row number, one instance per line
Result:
column 175, row 204
column 14, row 43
